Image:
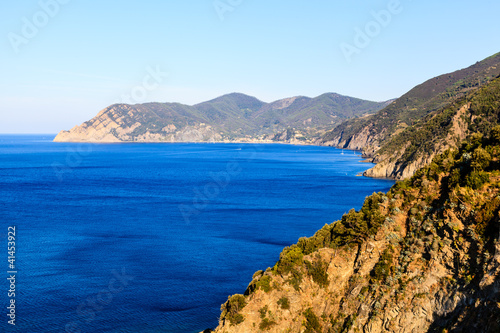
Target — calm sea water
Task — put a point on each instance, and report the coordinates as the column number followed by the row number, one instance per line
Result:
column 154, row 237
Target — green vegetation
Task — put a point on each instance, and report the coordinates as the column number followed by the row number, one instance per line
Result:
column 420, row 102
column 264, row 283
column 317, row 270
column 266, row 323
column 467, row 178
column 446, row 214
column 260, row 281
column 238, row 115
column 312, row 322
column 384, row 266
column 353, row 229
column 230, row 310
column 289, row 258
column 257, row 274
column 263, row 312
column 349, row 322
column 459, row 184
column 284, row 303
column 430, row 133
column 295, row 279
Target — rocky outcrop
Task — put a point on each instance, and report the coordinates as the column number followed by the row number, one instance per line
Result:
column 105, row 127
column 379, row 135
column 424, row 257
column 114, row 124
column 365, row 140
column 396, row 164
column 350, row 303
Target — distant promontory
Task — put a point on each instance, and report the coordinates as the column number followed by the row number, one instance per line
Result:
column 230, row 118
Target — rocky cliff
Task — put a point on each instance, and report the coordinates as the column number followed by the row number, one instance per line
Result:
column 375, row 134
column 425, row 257
column 416, row 146
column 396, row 164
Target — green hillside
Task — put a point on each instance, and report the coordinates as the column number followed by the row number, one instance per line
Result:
column 481, row 111
column 230, row 117
column 415, row 105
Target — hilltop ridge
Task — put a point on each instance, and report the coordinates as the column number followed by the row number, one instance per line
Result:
column 233, row 117
column 375, row 134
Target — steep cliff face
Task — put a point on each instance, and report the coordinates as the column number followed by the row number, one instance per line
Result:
column 375, row 134
column 416, row 146
column 396, row 164
column 425, row 257
column 366, row 139
column 102, row 128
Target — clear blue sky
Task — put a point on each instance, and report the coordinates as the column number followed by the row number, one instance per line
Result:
column 89, row 53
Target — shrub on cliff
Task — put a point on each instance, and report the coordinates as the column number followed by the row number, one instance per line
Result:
column 317, row 270
column 284, row 303
column 383, row 268
column 355, row 227
column 264, row 283
column 289, row 258
column 230, row 309
column 312, row 323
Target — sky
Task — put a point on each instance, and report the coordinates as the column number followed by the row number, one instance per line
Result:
column 62, row 61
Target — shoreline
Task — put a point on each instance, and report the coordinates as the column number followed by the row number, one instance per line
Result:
column 363, row 159
column 212, row 142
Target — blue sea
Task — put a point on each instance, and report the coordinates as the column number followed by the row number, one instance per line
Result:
column 154, row 237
